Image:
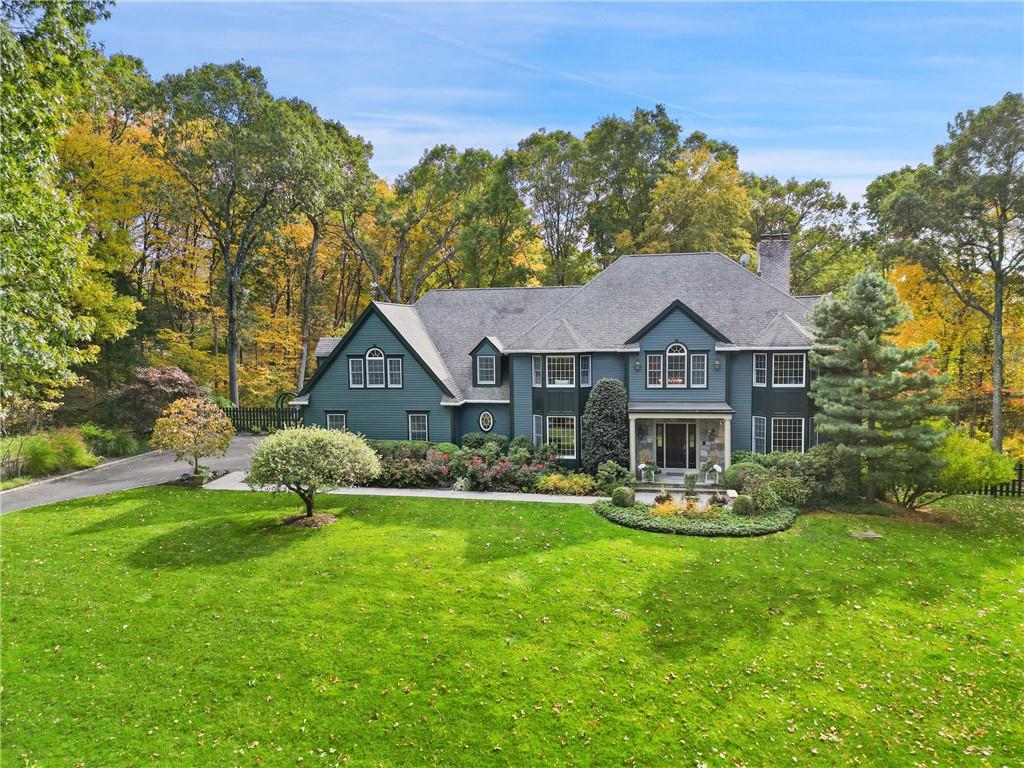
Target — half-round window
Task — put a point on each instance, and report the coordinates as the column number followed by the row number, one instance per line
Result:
column 486, row 421
column 675, row 365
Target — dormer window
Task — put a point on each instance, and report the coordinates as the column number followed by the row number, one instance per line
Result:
column 675, row 366
column 486, row 369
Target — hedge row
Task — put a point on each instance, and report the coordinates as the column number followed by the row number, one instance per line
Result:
column 638, row 516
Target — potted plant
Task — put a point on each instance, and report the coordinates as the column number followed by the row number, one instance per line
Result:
column 646, row 469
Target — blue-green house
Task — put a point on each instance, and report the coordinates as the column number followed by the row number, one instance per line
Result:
column 713, row 357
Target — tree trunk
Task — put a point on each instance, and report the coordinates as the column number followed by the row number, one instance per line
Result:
column 306, row 300
column 997, row 366
column 232, row 335
column 195, row 465
column 307, row 498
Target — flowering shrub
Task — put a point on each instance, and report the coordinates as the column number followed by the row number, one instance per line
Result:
column 501, row 475
column 402, row 470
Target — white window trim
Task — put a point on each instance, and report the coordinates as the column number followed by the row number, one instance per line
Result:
column 426, row 427
column 538, row 370
column 494, row 369
column 384, row 363
column 480, row 421
column 803, row 371
column 763, row 355
column 344, row 420
column 548, row 425
column 685, row 354
column 803, row 430
column 362, row 373
column 590, row 370
column 572, row 361
column 538, row 434
column 661, row 368
column 753, row 434
column 387, row 370
column 693, row 357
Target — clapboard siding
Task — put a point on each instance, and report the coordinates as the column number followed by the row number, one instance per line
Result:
column 381, row 414
column 522, row 394
column 469, row 419
column 678, row 327
column 741, row 371
column 609, row 366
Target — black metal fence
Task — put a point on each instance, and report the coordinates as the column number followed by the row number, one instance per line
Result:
column 263, row 419
column 1013, row 488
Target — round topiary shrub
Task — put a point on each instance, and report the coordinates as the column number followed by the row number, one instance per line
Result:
column 743, row 505
column 623, row 496
column 736, row 475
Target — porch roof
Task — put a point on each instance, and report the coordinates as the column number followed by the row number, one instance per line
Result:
column 661, row 406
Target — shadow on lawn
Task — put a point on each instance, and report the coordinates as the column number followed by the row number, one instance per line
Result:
column 216, row 542
column 751, row 589
column 493, row 530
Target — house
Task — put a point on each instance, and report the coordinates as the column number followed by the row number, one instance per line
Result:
column 713, row 356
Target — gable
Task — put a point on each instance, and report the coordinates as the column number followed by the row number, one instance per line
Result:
column 667, row 314
column 676, row 325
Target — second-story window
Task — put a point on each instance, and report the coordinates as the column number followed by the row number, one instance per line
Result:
column 538, row 371
column 395, row 372
column 675, row 366
column 485, row 369
column 561, row 371
column 654, row 371
column 585, row 376
column 699, row 370
column 760, row 369
column 375, row 368
column 788, row 369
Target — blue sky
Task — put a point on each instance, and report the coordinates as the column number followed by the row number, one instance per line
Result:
column 843, row 91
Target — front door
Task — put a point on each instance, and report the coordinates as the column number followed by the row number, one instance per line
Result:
column 675, row 445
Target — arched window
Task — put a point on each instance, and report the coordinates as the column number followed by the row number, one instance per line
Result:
column 675, row 366
column 375, row 368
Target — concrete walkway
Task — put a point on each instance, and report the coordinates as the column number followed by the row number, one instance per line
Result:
column 150, row 468
column 235, row 481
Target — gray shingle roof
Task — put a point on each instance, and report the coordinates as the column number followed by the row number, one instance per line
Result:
column 445, row 325
column 326, row 345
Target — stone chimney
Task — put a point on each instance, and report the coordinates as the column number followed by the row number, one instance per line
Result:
column 773, row 259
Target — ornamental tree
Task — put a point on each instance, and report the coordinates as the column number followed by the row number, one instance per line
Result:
column 605, row 426
column 151, row 391
column 306, row 460
column 875, row 400
column 193, row 428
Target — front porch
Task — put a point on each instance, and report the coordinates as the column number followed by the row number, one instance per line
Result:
column 678, row 439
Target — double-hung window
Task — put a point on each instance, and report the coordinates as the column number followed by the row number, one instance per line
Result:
column 485, row 369
column 375, row 368
column 788, row 369
column 760, row 369
column 675, row 366
column 760, row 434
column 538, row 371
column 699, row 371
column 562, row 435
column 561, row 371
column 654, row 371
column 538, row 430
column 355, row 373
column 418, row 427
column 584, row 370
column 336, row 421
column 395, row 372
column 788, row 434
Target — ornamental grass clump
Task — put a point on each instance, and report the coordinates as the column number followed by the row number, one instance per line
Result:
column 308, row 460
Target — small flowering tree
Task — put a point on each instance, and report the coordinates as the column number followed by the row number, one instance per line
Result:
column 306, row 460
column 193, row 428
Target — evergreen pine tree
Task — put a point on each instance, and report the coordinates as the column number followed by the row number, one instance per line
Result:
column 874, row 399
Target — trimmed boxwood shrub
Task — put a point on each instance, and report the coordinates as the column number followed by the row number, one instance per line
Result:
column 623, row 496
column 743, row 505
column 477, row 440
column 736, row 475
column 728, row 524
column 827, row 473
column 605, row 425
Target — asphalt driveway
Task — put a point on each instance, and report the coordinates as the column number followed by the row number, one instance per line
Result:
column 135, row 472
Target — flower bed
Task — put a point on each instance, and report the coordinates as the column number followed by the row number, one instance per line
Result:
column 725, row 524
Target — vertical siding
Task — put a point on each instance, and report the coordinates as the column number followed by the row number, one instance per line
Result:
column 469, row 416
column 380, row 414
column 678, row 327
column 741, row 372
column 522, row 395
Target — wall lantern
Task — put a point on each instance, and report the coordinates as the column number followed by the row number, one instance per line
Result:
column 717, row 364
column 636, row 365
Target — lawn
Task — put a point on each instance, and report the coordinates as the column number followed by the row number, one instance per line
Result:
column 174, row 627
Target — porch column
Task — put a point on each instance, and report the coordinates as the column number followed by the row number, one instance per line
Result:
column 632, row 444
column 727, row 459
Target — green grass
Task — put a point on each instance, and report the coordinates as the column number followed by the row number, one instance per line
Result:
column 174, row 627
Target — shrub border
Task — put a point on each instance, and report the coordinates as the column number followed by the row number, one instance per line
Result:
column 729, row 525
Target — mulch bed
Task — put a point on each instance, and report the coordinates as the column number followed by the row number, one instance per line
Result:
column 318, row 520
